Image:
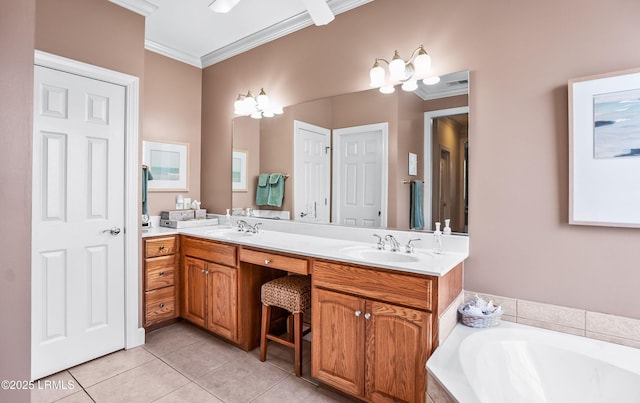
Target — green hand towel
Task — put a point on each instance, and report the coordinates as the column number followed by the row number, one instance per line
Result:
column 276, row 190
column 262, row 191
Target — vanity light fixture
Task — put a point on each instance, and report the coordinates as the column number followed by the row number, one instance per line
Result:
column 418, row 67
column 256, row 107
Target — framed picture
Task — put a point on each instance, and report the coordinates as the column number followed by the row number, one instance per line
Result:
column 413, row 164
column 239, row 170
column 604, row 149
column 168, row 164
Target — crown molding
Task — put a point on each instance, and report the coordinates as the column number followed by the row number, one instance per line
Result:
column 142, row 7
column 172, row 53
column 274, row 32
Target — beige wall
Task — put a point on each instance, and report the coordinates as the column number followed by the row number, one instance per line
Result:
column 17, row 29
column 520, row 56
column 173, row 113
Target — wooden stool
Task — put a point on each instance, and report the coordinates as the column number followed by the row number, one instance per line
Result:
column 293, row 294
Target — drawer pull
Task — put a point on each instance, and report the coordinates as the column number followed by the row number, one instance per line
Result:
column 162, row 305
column 267, row 261
column 161, row 247
column 358, row 313
column 161, row 273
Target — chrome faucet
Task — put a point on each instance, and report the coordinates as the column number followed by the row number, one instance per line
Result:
column 380, row 244
column 395, row 245
column 409, row 247
column 244, row 226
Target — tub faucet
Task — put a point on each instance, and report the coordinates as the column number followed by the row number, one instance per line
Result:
column 395, row 245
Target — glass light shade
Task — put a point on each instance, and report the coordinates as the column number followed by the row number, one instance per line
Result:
column 410, row 85
column 268, row 113
column 278, row 110
column 377, row 75
column 422, row 65
column 256, row 115
column 397, row 68
column 262, row 100
column 238, row 107
column 431, row 80
column 387, row 89
column 249, row 104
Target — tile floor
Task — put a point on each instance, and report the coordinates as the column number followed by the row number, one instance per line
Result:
column 182, row 363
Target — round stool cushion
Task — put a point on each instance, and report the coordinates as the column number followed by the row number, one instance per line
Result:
column 292, row 293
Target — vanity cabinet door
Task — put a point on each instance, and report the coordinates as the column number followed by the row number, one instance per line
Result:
column 338, row 347
column 222, row 313
column 194, row 290
column 398, row 341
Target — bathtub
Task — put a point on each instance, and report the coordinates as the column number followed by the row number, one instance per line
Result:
column 517, row 363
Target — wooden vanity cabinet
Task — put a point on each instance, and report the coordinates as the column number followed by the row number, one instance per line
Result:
column 372, row 331
column 160, row 274
column 210, row 286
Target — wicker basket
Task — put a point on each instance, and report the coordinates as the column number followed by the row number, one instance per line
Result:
column 488, row 320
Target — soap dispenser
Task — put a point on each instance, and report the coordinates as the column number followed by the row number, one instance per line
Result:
column 227, row 220
column 437, row 239
column 447, row 229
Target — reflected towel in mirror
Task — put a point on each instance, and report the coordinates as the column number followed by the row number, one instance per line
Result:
column 417, row 216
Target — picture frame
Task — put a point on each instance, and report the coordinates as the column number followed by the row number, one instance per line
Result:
column 413, row 164
column 239, row 170
column 168, row 163
column 604, row 149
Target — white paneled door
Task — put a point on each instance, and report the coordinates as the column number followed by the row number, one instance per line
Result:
column 78, row 258
column 312, row 185
column 360, row 175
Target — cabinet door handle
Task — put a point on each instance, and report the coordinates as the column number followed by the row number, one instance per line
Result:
column 161, row 273
column 161, row 305
column 358, row 313
column 202, row 270
column 267, row 261
column 206, row 272
column 367, row 315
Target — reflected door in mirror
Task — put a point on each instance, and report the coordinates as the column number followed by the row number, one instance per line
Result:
column 312, row 173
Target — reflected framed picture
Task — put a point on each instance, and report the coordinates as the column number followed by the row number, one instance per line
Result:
column 239, row 170
column 168, row 164
column 413, row 164
column 604, row 149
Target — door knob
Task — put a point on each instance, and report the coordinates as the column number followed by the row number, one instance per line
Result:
column 112, row 230
column 302, row 214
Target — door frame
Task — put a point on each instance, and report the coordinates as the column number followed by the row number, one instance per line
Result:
column 134, row 334
column 335, row 176
column 428, row 156
column 298, row 178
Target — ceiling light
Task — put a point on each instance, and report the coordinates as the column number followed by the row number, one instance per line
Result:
column 223, row 6
column 407, row 73
column 257, row 108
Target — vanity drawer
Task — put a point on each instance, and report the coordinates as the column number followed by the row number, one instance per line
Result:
column 160, row 246
column 160, row 305
column 403, row 289
column 210, row 251
column 160, row 272
column 275, row 261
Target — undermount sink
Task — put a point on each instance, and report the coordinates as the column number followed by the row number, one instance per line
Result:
column 371, row 253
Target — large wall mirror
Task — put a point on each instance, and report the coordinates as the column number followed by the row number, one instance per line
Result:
column 351, row 159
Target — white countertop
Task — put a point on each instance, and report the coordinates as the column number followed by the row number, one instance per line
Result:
column 328, row 247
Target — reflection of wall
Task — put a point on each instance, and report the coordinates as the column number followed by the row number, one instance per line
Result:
column 246, row 136
column 518, row 126
column 403, row 112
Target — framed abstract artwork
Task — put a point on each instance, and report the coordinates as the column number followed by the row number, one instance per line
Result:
column 168, row 164
column 604, row 149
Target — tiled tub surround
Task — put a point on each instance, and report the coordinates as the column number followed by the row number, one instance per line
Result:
column 595, row 325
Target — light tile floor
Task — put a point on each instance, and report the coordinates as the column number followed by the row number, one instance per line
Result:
column 182, row 363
